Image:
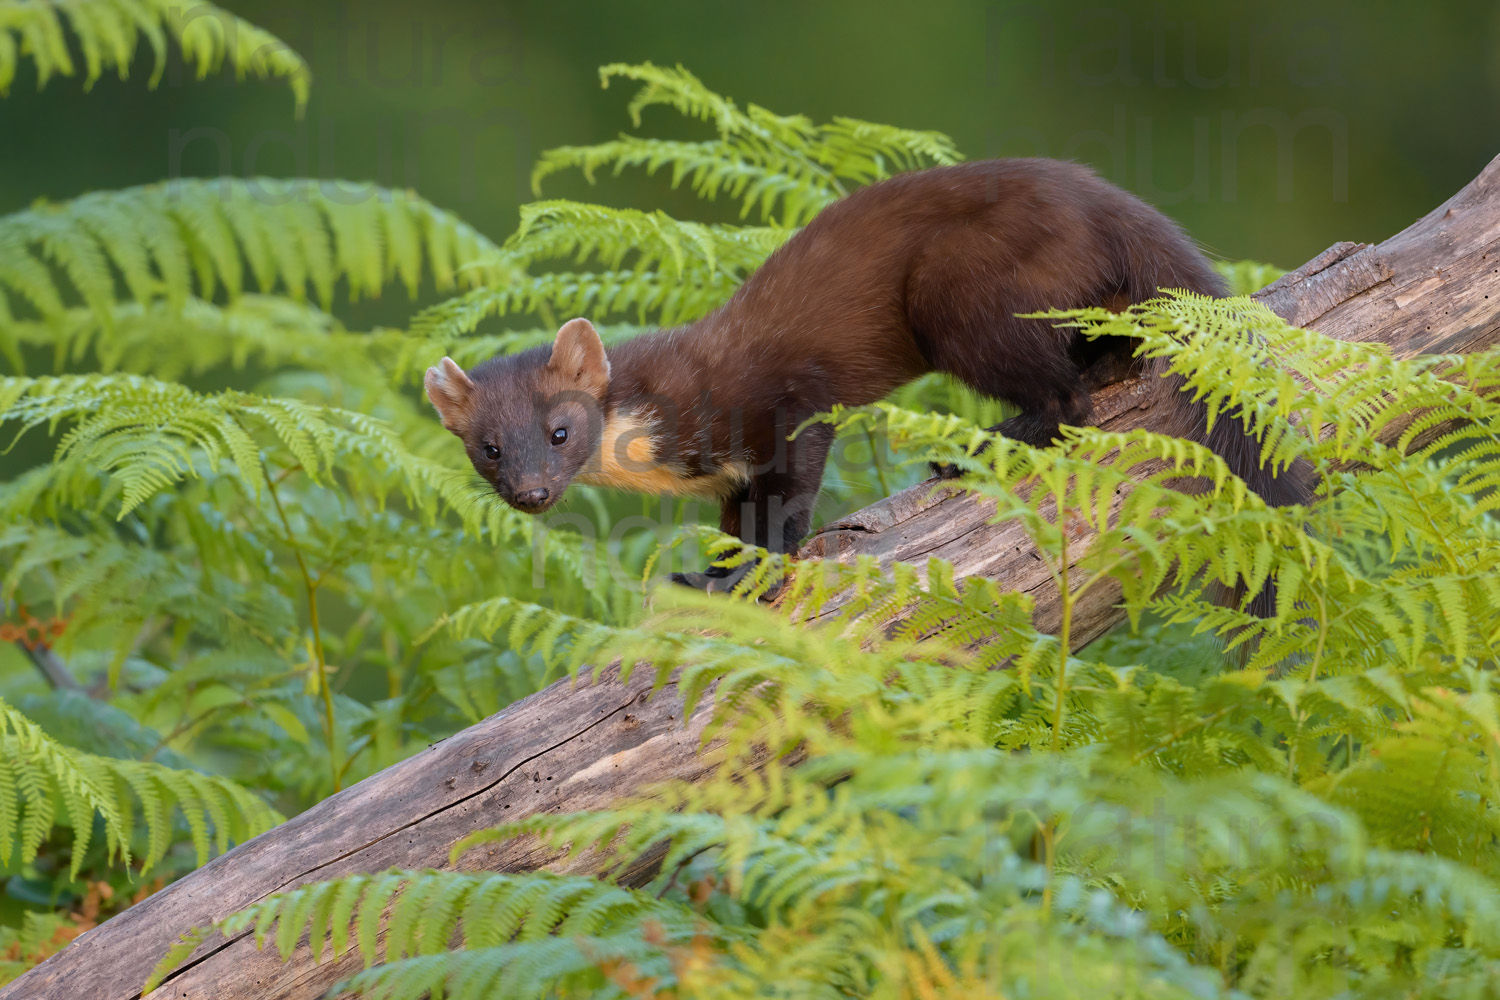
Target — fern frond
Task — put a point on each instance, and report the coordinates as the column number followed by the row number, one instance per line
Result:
column 1245, row 277
column 109, row 32
column 148, row 434
column 270, row 331
column 546, row 968
column 767, row 161
column 865, row 152
column 169, row 341
column 670, row 270
column 43, row 783
column 185, row 237
column 656, row 242
column 394, row 915
column 102, row 580
column 599, row 294
column 1236, row 354
column 852, row 145
column 677, row 271
column 710, row 167
column 806, row 855
column 1144, row 531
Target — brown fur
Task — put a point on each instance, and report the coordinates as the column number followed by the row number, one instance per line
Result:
column 925, row 271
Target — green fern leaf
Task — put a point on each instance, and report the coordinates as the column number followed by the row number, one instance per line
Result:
column 110, row 31
column 39, row 775
column 288, row 234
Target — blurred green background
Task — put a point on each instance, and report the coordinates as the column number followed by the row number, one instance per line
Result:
column 1269, row 132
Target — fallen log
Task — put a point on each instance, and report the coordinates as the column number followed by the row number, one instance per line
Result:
column 1434, row 287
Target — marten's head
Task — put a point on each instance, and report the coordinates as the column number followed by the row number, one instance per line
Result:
column 529, row 421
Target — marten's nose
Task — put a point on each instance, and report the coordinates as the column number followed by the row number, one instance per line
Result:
column 532, row 498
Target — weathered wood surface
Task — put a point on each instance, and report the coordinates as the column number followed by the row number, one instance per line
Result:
column 1428, row 289
column 566, row 747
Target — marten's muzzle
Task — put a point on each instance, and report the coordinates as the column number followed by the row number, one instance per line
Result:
column 532, row 501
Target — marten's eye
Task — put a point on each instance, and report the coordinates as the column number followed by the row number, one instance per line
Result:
column 560, row 435
column 491, row 452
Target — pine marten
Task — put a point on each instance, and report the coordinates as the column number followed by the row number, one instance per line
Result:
column 923, row 272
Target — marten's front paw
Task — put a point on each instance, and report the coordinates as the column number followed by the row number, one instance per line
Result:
column 723, row 579
column 945, row 470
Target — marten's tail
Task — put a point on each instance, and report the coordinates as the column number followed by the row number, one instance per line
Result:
column 1154, row 254
column 1292, row 485
column 1295, row 484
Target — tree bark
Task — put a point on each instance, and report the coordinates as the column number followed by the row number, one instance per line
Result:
column 1433, row 288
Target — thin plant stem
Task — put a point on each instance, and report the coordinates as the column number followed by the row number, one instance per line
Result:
column 1048, row 837
column 311, row 586
column 1064, row 636
column 1312, row 676
column 878, row 462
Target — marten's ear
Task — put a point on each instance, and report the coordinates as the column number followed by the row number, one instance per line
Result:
column 452, row 393
column 578, row 356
